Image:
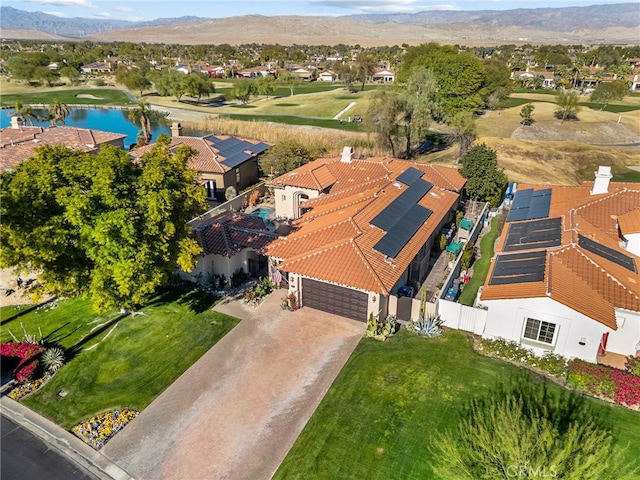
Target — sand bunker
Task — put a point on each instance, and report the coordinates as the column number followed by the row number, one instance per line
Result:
column 88, row 95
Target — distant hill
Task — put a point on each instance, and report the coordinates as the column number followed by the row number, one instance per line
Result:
column 617, row 24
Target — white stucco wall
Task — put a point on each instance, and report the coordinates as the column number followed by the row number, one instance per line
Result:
column 633, row 243
column 625, row 338
column 285, row 200
column 506, row 319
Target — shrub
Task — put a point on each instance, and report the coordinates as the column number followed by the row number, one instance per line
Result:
column 381, row 329
column 428, row 326
column 261, row 289
column 633, row 366
column 551, row 363
column 53, row 359
column 238, row 278
column 599, row 380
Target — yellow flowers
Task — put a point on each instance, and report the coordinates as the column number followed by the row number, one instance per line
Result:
column 25, row 389
column 99, row 429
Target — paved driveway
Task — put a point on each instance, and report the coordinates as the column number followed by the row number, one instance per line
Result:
column 236, row 412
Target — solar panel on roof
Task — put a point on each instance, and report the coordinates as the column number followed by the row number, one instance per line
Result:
column 409, row 176
column 603, row 251
column 236, row 159
column 535, row 234
column 388, row 217
column 519, row 268
column 529, row 204
column 396, row 239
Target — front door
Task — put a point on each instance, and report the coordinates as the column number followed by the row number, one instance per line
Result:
column 602, row 349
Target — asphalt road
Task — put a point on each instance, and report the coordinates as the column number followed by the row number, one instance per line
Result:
column 24, row 456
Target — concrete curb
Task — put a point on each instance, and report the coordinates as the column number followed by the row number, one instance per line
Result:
column 65, row 442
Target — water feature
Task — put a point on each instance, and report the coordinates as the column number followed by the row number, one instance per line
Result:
column 108, row 120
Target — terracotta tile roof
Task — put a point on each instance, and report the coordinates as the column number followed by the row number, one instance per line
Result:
column 231, row 232
column 335, row 240
column 19, row 144
column 208, row 158
column 576, row 276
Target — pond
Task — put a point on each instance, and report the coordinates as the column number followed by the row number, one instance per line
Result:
column 108, row 120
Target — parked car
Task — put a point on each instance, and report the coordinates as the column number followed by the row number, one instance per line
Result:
column 356, row 119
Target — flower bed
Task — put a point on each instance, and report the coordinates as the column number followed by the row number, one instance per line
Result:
column 550, row 363
column 606, row 382
column 28, row 353
column 99, row 429
column 26, row 388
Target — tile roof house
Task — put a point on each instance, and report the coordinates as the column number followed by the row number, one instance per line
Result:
column 565, row 277
column 365, row 229
column 18, row 141
column 222, row 161
column 229, row 242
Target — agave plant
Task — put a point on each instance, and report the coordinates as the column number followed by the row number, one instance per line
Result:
column 428, row 326
column 53, row 359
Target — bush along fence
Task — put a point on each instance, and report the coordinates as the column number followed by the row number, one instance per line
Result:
column 555, row 365
column 605, row 382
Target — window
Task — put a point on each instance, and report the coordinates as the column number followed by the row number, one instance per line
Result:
column 238, row 175
column 211, row 189
column 284, row 197
column 539, row 331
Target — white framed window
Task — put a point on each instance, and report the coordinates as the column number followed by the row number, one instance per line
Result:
column 540, row 331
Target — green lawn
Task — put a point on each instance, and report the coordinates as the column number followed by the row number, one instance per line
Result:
column 379, row 416
column 106, row 97
column 125, row 366
column 295, row 120
column 481, row 266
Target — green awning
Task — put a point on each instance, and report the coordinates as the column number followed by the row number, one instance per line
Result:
column 466, row 224
column 454, row 247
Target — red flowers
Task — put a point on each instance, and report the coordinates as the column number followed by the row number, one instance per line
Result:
column 617, row 385
column 28, row 353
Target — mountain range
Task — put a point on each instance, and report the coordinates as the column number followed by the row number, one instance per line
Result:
column 618, row 23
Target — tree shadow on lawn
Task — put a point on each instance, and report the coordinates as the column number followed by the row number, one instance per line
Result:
column 196, row 300
column 76, row 349
column 11, row 318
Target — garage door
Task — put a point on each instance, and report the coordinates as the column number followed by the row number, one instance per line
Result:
column 342, row 301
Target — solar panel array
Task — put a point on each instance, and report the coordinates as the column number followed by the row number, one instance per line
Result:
column 530, row 204
column 396, row 238
column 397, row 209
column 410, row 175
column 234, row 150
column 603, row 251
column 519, row 268
column 535, row 234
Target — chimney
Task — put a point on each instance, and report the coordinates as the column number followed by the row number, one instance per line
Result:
column 176, row 129
column 347, row 155
column 601, row 183
column 17, row 122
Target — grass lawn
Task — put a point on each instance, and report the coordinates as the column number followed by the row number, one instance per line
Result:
column 294, row 120
column 481, row 266
column 378, row 418
column 118, row 361
column 70, row 97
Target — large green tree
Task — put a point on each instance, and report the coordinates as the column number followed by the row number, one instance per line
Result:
column 101, row 225
column 402, row 115
column 284, row 156
column 460, row 76
column 529, row 432
column 606, row 92
column 485, row 180
column 567, row 106
column 243, row 89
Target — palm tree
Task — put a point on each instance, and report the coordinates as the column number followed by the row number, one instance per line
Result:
column 141, row 114
column 24, row 111
column 58, row 111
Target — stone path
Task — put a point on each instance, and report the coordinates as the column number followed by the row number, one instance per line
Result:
column 236, row 412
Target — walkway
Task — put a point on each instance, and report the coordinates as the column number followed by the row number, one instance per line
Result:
column 238, row 410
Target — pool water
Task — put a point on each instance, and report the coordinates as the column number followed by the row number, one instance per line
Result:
column 263, row 212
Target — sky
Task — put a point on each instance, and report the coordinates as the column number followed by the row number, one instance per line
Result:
column 141, row 10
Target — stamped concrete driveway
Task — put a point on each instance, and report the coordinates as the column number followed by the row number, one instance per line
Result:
column 237, row 411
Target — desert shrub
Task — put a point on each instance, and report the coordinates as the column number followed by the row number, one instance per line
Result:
column 290, row 302
column 53, row 359
column 633, row 366
column 428, row 326
column 264, row 287
column 381, row 329
column 238, row 277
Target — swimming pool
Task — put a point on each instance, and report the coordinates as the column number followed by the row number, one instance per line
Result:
column 266, row 213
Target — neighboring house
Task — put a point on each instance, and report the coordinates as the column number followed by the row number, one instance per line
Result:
column 634, row 81
column 97, row 68
column 565, row 276
column 300, row 72
column 383, row 75
column 529, row 75
column 18, row 141
column 253, row 72
column 367, row 228
column 328, row 76
column 229, row 242
column 222, row 161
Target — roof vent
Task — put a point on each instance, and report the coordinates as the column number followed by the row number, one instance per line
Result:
column 176, row 129
column 17, row 122
column 347, row 155
column 601, row 183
